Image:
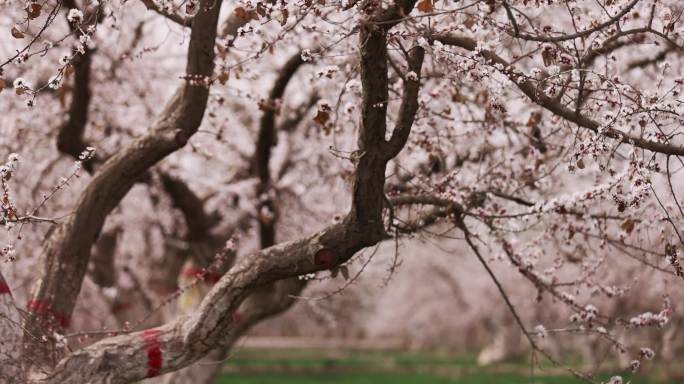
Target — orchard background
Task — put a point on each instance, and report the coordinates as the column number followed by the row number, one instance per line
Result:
column 191, row 186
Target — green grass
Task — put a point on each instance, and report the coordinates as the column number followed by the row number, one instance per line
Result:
column 381, row 378
column 309, row 366
column 315, row 378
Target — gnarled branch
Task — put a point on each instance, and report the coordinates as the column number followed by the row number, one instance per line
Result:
column 553, row 105
column 187, row 339
column 66, row 253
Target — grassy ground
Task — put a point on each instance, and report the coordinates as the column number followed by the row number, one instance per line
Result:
column 381, row 378
column 259, row 366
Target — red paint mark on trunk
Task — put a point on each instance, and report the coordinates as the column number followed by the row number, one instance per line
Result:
column 119, row 307
column 38, row 306
column 192, row 271
column 325, row 258
column 62, row 320
column 4, row 288
column 201, row 274
column 237, row 318
column 213, row 278
column 154, row 353
column 44, row 308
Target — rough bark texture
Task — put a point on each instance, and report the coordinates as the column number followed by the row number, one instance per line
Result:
column 256, row 287
column 269, row 300
column 263, row 283
column 253, row 310
column 66, row 252
column 126, row 358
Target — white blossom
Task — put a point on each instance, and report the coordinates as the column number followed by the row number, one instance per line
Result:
column 306, row 55
column 647, row 353
column 21, row 83
column 540, row 330
column 64, row 60
column 55, row 82
column 75, row 16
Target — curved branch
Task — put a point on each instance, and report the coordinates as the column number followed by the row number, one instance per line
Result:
column 265, row 141
column 191, row 206
column 176, row 18
column 409, row 103
column 187, row 339
column 553, row 105
column 267, row 132
column 580, row 34
column 66, row 253
column 256, row 308
column 272, row 298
